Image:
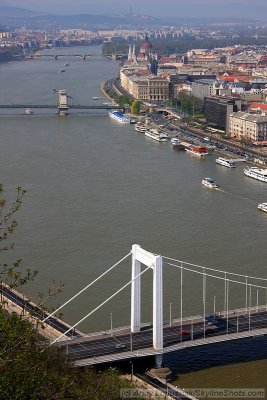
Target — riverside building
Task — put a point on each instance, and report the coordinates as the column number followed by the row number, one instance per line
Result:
column 249, row 127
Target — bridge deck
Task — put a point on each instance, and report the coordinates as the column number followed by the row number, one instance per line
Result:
column 55, row 106
column 97, row 349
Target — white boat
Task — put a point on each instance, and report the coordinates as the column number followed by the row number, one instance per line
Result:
column 140, row 128
column 175, row 141
column 119, row 117
column 209, row 183
column 95, row 98
column 156, row 135
column 28, row 111
column 256, row 173
column 225, row 162
column 262, row 207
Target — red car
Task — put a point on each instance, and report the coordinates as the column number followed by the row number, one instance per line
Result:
column 183, row 332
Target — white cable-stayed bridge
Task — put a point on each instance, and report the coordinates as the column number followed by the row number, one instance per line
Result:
column 161, row 336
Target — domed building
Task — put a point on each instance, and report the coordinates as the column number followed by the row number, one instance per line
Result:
column 146, row 47
column 145, row 53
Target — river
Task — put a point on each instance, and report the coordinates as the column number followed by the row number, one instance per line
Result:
column 95, row 187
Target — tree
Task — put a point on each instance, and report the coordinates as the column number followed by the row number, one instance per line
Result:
column 135, row 107
column 29, row 369
column 124, row 100
column 11, row 274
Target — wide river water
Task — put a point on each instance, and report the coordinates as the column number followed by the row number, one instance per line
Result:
column 95, row 187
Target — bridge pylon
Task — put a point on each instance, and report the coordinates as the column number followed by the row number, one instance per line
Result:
column 63, row 107
column 141, row 256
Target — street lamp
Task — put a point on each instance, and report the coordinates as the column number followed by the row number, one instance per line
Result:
column 131, row 362
column 111, row 325
column 170, row 314
column 214, row 305
column 131, row 341
column 257, row 301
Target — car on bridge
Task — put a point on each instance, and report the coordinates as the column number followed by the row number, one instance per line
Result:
column 211, row 330
column 120, row 346
column 214, row 319
column 183, row 332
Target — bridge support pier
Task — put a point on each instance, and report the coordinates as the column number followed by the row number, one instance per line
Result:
column 155, row 263
column 136, row 292
column 63, row 107
column 157, row 304
column 158, row 360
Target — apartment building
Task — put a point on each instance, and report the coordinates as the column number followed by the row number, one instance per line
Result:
column 218, row 109
column 143, row 85
column 202, row 88
column 251, row 127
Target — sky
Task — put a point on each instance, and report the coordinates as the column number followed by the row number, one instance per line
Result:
column 253, row 9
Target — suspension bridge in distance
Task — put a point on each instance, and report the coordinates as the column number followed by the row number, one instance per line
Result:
column 64, row 104
column 57, row 56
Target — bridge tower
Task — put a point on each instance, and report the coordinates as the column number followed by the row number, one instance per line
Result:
column 155, row 262
column 63, row 106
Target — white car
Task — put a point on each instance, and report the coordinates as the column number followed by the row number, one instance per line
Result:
column 120, row 346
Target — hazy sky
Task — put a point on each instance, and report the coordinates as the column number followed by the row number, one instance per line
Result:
column 194, row 8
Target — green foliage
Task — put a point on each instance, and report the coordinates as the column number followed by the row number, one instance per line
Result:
column 190, row 104
column 29, row 370
column 124, row 100
column 11, row 273
column 120, row 46
column 135, row 107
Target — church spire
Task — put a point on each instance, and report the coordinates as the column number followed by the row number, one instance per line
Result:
column 130, row 53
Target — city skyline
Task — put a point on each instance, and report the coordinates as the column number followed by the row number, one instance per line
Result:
column 170, row 8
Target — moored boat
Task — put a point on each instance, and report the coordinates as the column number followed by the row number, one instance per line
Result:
column 154, row 134
column 262, row 207
column 177, row 145
column 140, row 128
column 256, row 173
column 119, row 117
column 175, row 141
column 199, row 151
column 209, row 183
column 28, row 111
column 225, row 162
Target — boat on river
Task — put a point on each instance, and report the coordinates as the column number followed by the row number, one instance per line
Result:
column 209, row 183
column 156, row 135
column 199, row 151
column 256, row 173
column 262, row 207
column 225, row 162
column 140, row 128
column 119, row 117
column 177, row 145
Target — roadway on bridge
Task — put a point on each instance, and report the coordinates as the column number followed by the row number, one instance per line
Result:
column 87, row 347
column 35, row 311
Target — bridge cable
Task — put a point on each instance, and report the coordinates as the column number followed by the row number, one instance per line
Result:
column 204, row 296
column 216, row 270
column 86, row 287
column 214, row 276
column 100, row 305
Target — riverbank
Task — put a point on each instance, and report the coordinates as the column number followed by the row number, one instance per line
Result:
column 112, row 90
